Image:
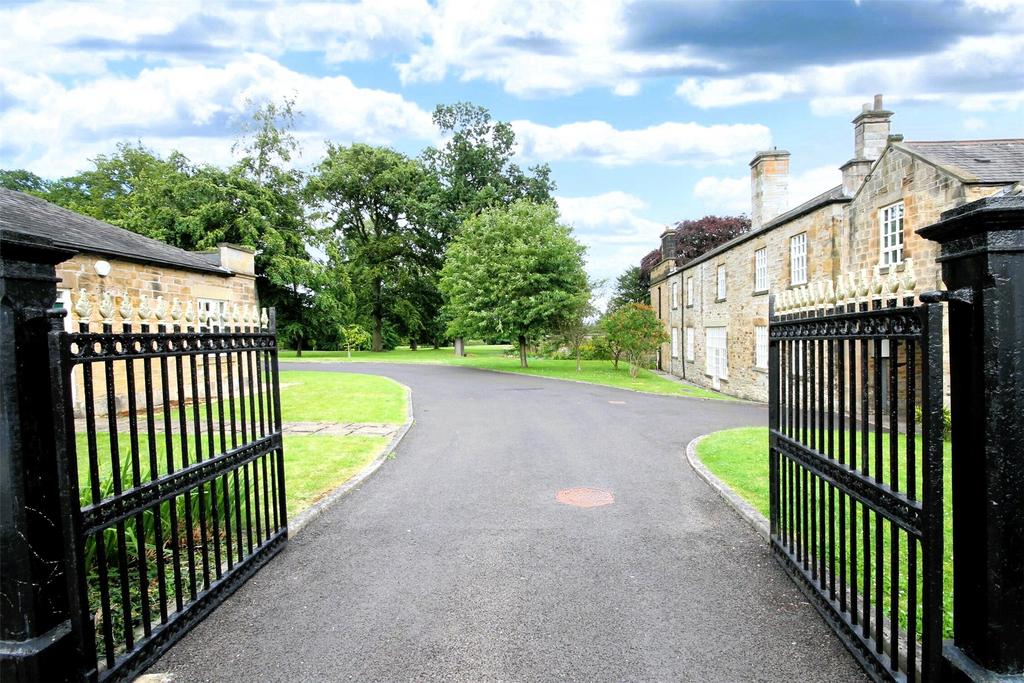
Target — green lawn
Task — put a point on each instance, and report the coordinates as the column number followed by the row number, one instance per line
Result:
column 739, row 457
column 314, row 464
column 493, row 357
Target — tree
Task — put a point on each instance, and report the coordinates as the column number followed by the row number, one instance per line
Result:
column 576, row 323
column 474, row 170
column 636, row 330
column 23, row 181
column 694, row 238
column 631, row 287
column 354, row 336
column 513, row 272
column 372, row 200
column 320, row 299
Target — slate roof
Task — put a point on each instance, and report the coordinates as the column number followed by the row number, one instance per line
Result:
column 980, row 161
column 23, row 213
column 835, row 195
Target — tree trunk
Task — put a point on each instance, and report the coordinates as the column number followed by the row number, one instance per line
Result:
column 378, row 340
column 298, row 347
column 615, row 360
column 522, row 350
column 349, row 349
column 413, row 344
column 577, row 359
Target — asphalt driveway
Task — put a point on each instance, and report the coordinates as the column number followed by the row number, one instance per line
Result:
column 455, row 561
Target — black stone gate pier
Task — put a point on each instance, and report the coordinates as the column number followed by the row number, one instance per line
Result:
column 35, row 634
column 982, row 256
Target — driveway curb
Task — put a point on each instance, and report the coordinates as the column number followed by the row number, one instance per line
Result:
column 309, row 514
column 745, row 509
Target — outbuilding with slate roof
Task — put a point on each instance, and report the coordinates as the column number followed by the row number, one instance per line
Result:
column 112, row 260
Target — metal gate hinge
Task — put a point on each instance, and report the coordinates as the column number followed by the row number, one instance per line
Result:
column 964, row 295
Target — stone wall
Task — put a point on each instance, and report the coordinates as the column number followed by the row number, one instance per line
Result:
column 743, row 308
column 131, row 279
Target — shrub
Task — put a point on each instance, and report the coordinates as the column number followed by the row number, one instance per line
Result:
column 947, row 420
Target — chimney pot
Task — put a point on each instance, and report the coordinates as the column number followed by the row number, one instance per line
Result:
column 878, row 102
column 865, row 108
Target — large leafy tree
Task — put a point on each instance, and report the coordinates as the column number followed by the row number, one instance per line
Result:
column 372, row 201
column 472, row 171
column 513, row 271
column 632, row 286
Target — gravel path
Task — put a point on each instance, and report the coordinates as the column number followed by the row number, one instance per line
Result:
column 455, row 561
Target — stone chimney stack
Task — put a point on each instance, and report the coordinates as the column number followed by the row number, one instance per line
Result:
column 769, row 186
column 870, row 137
column 668, row 244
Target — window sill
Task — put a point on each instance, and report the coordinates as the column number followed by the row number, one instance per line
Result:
column 689, row 305
column 898, row 268
column 718, row 301
column 759, row 292
column 794, row 285
column 720, row 379
column 763, row 371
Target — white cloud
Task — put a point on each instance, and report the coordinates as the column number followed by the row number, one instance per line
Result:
column 613, row 228
column 839, row 89
column 732, row 195
column 973, row 123
column 191, row 108
column 536, row 47
column 670, row 143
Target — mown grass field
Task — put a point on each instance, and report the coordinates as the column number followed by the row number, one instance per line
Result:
column 493, row 357
column 739, row 457
column 314, row 464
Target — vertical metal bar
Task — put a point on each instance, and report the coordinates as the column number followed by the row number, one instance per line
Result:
column 234, row 444
column 123, row 580
column 212, row 450
column 911, row 456
column 879, row 524
column 864, row 462
column 140, row 522
column 254, row 437
column 773, row 424
column 277, row 424
column 154, row 474
column 169, row 448
column 269, row 395
column 931, row 472
column 841, row 373
column 894, row 532
column 224, row 482
column 854, row 615
column 831, row 455
column 94, row 485
column 197, row 429
column 238, row 341
column 183, row 438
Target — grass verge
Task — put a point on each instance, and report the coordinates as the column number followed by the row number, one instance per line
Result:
column 492, row 357
column 739, row 457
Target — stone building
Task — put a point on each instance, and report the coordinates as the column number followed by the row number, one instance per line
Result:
column 715, row 307
column 125, row 265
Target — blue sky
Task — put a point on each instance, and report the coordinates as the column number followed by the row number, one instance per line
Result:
column 648, row 111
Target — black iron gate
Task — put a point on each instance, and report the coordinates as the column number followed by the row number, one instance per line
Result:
column 856, row 468
column 171, row 468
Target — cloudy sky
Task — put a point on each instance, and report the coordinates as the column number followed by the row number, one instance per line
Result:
column 648, row 111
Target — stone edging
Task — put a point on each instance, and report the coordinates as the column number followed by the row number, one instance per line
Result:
column 745, row 509
column 309, row 514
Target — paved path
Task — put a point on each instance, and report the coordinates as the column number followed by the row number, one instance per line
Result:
column 455, row 562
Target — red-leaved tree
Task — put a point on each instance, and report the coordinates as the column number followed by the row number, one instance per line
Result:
column 694, row 238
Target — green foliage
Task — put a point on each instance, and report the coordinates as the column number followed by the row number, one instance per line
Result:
column 513, row 272
column 947, row 421
column 632, row 287
column 372, row 200
column 23, row 181
column 636, row 331
column 354, row 337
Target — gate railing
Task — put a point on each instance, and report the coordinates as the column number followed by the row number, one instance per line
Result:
column 171, row 474
column 856, row 466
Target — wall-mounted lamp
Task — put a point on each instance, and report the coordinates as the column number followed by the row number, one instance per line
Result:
column 102, row 268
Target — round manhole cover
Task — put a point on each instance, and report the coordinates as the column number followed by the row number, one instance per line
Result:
column 584, row 497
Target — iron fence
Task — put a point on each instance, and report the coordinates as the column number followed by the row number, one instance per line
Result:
column 171, row 472
column 856, row 468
